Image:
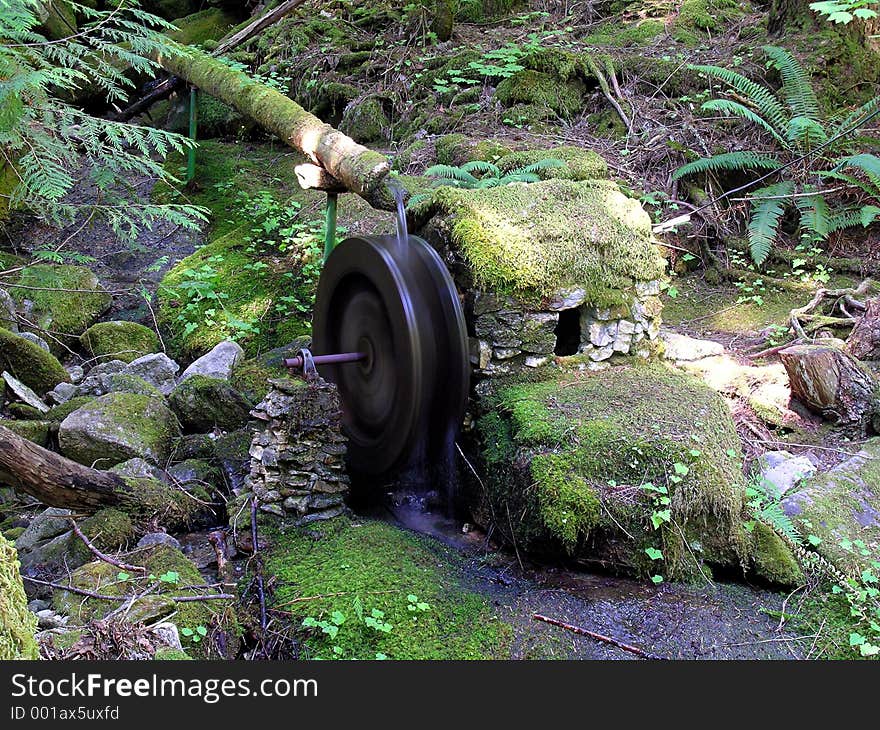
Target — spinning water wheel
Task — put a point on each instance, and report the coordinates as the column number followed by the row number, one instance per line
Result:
column 389, row 330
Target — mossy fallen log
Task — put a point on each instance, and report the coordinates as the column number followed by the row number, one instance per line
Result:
column 60, row 482
column 361, row 170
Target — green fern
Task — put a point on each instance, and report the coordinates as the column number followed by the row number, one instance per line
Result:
column 728, row 161
column 815, row 215
column 768, row 205
column 796, row 86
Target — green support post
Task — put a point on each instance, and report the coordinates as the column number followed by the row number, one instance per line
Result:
column 193, row 128
column 330, row 226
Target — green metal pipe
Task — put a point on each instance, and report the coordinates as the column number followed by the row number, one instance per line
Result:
column 330, row 225
column 193, row 129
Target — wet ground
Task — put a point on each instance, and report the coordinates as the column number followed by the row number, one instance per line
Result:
column 673, row 621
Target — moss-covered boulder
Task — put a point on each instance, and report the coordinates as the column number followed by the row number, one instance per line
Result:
column 36, row 431
column 117, row 427
column 60, row 301
column 579, row 163
column 841, row 507
column 565, row 98
column 29, row 363
column 614, row 465
column 202, row 403
column 119, row 340
column 17, row 624
column 177, row 577
column 366, row 120
column 541, row 237
column 210, row 24
column 458, row 149
column 380, row 566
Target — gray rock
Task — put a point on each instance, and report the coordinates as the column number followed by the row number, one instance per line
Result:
column 24, row 394
column 601, row 353
column 138, row 469
column 647, row 288
column 218, row 363
column 568, row 299
column 683, row 348
column 780, row 471
column 37, row 340
column 193, row 471
column 118, row 427
column 158, row 538
column 38, row 604
column 840, row 505
column 62, row 393
column 622, row 342
column 7, row 312
column 76, row 373
column 46, row 525
column 203, row 403
column 166, row 632
column 108, row 368
column 532, row 361
column 157, row 369
column 602, row 334
column 48, row 619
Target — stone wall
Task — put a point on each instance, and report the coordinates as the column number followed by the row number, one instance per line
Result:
column 298, row 452
column 510, row 334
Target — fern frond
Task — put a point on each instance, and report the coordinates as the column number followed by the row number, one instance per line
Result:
column 768, row 205
column 452, row 175
column 773, row 515
column 735, row 109
column 547, row 164
column 767, row 105
column 482, row 167
column 526, row 177
column 728, row 161
column 805, row 134
column 815, row 214
column 851, row 218
column 851, row 120
column 796, row 86
column 867, row 163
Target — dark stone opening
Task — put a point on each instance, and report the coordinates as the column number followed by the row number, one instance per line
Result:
column 568, row 332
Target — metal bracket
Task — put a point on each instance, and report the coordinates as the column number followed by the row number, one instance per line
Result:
column 310, row 372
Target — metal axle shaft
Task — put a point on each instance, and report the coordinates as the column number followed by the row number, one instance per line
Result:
column 297, row 362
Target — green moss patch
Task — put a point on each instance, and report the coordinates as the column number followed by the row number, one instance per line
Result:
column 570, row 456
column 119, row 340
column 208, row 25
column 375, row 566
column 65, row 301
column 564, row 98
column 580, row 163
column 31, row 364
column 18, row 624
column 523, row 237
column 36, row 431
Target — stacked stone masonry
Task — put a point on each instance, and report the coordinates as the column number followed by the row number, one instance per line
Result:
column 298, row 452
column 512, row 335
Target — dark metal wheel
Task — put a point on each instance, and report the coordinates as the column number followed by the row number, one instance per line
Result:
column 399, row 307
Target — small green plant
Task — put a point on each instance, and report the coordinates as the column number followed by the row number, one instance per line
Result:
column 808, row 148
column 194, row 635
column 845, row 11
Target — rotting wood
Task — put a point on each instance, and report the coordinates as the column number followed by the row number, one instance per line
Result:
column 360, row 170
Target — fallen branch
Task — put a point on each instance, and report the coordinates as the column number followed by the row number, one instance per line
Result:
column 598, row 637
column 98, row 554
column 121, row 599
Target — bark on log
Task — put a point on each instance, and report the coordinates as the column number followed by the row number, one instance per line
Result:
column 361, row 170
column 864, row 341
column 832, row 383
column 59, row 482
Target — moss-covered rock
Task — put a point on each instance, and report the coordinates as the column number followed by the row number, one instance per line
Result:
column 571, row 457
column 580, row 163
column 366, row 121
column 379, row 566
column 841, row 507
column 61, row 301
column 772, row 559
column 24, row 412
column 458, row 149
column 171, row 655
column 29, row 363
column 210, row 24
column 58, row 413
column 182, row 578
column 521, row 237
column 117, row 427
column 18, row 625
column 36, row 431
column 119, row 340
column 202, row 403
column 565, row 98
